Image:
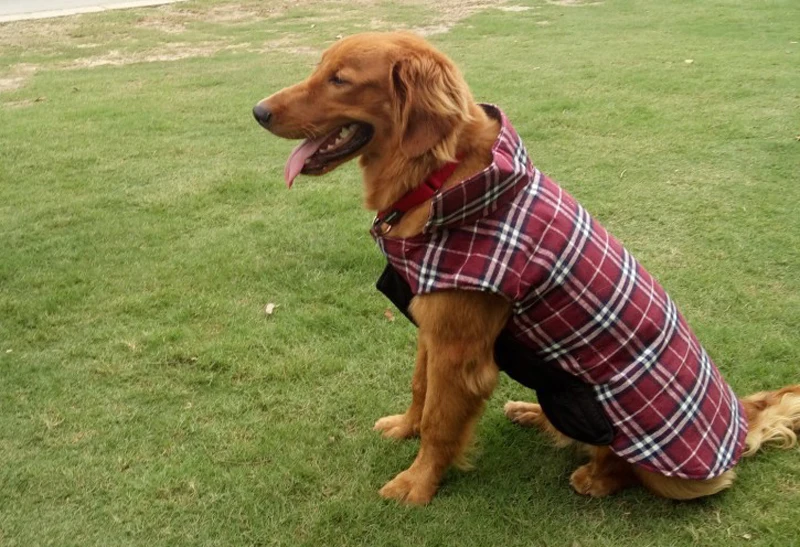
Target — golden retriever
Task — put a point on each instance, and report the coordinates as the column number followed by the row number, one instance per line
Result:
column 403, row 108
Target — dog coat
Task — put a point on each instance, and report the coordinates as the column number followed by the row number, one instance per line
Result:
column 583, row 305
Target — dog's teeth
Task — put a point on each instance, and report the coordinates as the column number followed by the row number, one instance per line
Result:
column 344, row 133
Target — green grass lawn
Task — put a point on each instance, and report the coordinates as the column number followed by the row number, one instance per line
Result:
column 145, row 396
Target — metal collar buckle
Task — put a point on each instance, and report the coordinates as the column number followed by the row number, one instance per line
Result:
column 386, row 223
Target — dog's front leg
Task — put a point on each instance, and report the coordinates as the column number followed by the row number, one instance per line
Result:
column 460, row 379
column 404, row 426
column 456, row 335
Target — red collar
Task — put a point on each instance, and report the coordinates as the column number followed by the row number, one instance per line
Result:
column 422, row 193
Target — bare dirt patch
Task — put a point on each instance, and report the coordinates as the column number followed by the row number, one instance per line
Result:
column 515, row 8
column 431, row 30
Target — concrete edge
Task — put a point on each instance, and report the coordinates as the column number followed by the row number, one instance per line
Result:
column 86, row 9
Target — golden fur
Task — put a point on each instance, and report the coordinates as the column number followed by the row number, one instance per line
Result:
column 423, row 115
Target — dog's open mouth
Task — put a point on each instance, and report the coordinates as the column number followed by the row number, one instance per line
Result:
column 320, row 155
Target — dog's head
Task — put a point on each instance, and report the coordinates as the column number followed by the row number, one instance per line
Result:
column 377, row 95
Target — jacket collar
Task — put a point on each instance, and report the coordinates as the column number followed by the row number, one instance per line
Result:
column 488, row 190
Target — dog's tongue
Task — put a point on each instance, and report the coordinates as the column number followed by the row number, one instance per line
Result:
column 298, row 158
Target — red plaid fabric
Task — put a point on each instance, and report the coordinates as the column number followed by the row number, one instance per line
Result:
column 582, row 302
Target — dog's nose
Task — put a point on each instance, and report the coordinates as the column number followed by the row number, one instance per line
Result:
column 262, row 115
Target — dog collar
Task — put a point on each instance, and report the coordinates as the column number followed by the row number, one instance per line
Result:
column 422, row 193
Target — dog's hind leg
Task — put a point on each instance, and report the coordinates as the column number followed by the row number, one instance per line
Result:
column 525, row 414
column 404, row 426
column 773, row 418
column 532, row 415
column 605, row 474
column 675, row 488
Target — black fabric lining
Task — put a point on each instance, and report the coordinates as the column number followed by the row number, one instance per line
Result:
column 569, row 403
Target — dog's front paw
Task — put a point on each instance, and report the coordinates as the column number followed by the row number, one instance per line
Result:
column 409, row 487
column 398, row 426
column 524, row 414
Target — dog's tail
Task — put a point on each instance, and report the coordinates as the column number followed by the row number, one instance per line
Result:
column 773, row 417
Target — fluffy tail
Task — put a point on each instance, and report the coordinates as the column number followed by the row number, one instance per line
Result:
column 773, row 417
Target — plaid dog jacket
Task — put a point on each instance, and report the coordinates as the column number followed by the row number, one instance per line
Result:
column 582, row 303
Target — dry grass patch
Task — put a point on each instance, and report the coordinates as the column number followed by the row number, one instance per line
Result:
column 112, row 48
column 168, row 27
column 17, row 77
column 448, row 14
column 37, row 32
column 177, row 51
column 169, row 52
column 25, row 103
column 100, row 32
column 573, row 2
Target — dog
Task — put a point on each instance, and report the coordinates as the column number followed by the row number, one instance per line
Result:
column 500, row 268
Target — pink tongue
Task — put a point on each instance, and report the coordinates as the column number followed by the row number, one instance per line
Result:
column 298, row 158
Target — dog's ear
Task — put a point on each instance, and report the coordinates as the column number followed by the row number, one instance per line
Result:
column 432, row 100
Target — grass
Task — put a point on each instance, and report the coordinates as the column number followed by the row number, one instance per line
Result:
column 146, row 398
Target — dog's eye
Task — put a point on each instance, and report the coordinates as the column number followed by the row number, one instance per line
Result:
column 337, row 81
